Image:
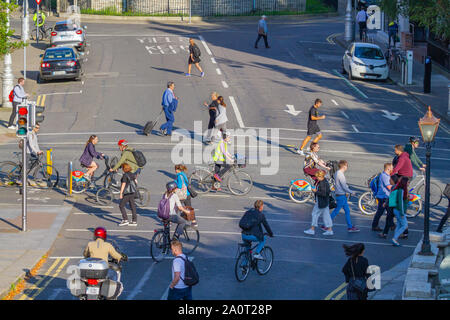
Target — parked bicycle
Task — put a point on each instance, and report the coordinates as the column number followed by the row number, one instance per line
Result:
column 238, row 181
column 160, row 243
column 245, row 260
column 40, row 175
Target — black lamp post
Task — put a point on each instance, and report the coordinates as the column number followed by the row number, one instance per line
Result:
column 428, row 127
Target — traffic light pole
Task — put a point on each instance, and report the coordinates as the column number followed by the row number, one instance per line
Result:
column 24, row 184
column 37, row 28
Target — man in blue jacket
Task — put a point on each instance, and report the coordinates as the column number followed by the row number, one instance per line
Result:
column 169, row 104
column 382, row 195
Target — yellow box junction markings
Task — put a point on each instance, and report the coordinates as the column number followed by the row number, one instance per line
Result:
column 335, row 291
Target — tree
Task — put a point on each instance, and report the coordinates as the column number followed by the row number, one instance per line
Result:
column 7, row 44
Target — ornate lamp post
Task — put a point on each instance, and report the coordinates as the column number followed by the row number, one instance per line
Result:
column 428, row 127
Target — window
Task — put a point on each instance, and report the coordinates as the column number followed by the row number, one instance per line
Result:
column 63, row 27
column 368, row 53
column 59, row 54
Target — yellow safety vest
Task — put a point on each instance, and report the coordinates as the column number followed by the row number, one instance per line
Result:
column 218, row 154
column 35, row 19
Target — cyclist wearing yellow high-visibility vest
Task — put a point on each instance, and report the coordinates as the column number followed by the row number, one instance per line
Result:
column 222, row 157
column 39, row 19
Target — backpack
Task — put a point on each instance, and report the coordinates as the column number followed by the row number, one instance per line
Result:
column 191, row 277
column 164, row 208
column 248, row 221
column 11, row 95
column 139, row 157
column 375, row 184
column 197, row 52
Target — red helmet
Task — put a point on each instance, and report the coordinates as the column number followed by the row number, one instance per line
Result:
column 100, row 232
column 122, row 142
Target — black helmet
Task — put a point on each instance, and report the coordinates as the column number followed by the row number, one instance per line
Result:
column 413, row 139
column 170, row 186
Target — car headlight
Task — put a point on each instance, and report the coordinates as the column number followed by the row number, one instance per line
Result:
column 359, row 63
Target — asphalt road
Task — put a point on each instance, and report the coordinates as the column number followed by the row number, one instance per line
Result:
column 127, row 69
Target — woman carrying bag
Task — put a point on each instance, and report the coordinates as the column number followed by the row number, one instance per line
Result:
column 221, row 117
column 184, row 192
column 355, row 272
column 127, row 194
column 398, row 199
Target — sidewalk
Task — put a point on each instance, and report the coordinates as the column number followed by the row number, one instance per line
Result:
column 437, row 99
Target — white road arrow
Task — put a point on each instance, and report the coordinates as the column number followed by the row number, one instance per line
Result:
column 292, row 110
column 391, row 115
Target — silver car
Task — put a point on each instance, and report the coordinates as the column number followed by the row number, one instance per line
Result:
column 68, row 33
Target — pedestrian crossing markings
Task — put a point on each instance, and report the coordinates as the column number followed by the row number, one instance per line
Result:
column 165, row 45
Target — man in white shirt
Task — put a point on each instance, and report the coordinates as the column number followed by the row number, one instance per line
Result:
column 361, row 18
column 19, row 96
column 178, row 290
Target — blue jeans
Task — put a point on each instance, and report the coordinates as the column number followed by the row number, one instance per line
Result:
column 180, row 294
column 260, row 245
column 402, row 224
column 341, row 202
column 170, row 119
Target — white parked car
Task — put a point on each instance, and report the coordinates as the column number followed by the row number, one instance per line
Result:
column 68, row 33
column 365, row 61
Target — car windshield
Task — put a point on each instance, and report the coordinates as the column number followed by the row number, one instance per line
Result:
column 59, row 54
column 64, row 27
column 368, row 53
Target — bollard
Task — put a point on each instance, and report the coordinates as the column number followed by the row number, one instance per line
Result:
column 410, row 61
column 427, row 75
column 69, row 178
column 49, row 161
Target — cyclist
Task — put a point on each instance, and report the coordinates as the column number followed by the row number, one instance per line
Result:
column 126, row 157
column 312, row 162
column 392, row 30
column 175, row 205
column 361, row 18
column 415, row 160
column 33, row 149
column 101, row 249
column 222, row 158
column 39, row 20
column 255, row 233
column 87, row 158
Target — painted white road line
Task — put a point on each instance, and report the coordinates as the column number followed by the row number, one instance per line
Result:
column 354, row 128
column 350, row 84
column 237, row 113
column 334, row 101
column 167, row 39
column 160, row 50
column 205, row 45
column 224, row 84
column 59, row 93
column 213, row 60
column 129, row 258
column 218, row 71
column 141, row 283
column 154, row 40
column 171, row 48
column 345, row 115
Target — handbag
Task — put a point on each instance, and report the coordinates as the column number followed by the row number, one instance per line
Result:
column 358, row 284
column 393, row 199
column 182, row 193
column 192, row 191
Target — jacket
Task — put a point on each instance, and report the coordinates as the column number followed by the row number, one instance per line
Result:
column 89, row 154
column 32, row 143
column 19, row 93
column 415, row 160
column 383, row 190
column 262, row 26
column 403, row 166
column 127, row 157
column 401, row 204
column 257, row 230
column 323, row 194
column 221, row 115
column 360, row 265
column 102, row 250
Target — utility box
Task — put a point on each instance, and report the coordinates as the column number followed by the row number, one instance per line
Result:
column 407, row 40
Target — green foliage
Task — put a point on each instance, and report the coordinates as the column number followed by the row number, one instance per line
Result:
column 7, row 45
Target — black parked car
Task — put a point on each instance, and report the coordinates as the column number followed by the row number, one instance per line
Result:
column 61, row 63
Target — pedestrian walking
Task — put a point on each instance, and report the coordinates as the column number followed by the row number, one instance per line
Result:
column 262, row 32
column 169, row 104
column 445, row 217
column 398, row 199
column 355, row 272
column 321, row 207
column 220, row 123
column 19, row 95
column 341, row 189
column 390, row 225
column 313, row 127
column 361, row 18
column 212, row 109
column 194, row 58
column 128, row 190
column 382, row 195
column 402, row 164
column 178, row 290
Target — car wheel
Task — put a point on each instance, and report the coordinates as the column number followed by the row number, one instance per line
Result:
column 350, row 77
column 39, row 79
column 343, row 68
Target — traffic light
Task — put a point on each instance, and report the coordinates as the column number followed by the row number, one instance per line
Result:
column 36, row 114
column 22, row 121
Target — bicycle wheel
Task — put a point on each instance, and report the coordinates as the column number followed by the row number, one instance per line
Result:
column 79, row 186
column 158, row 246
column 104, row 196
column 190, row 239
column 367, row 203
column 9, row 173
column 143, row 198
column 414, row 209
column 263, row 265
column 45, row 176
column 201, row 180
column 239, row 183
column 299, row 196
column 435, row 193
column 112, row 179
column 242, row 266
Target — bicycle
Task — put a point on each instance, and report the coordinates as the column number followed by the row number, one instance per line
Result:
column 106, row 195
column 435, row 190
column 44, row 33
column 245, row 260
column 80, row 184
column 238, row 181
column 39, row 174
column 160, row 243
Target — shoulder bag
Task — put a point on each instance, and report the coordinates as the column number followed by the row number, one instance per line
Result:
column 357, row 284
column 182, row 193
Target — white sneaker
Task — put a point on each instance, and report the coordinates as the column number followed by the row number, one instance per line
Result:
column 124, row 223
column 300, row 152
column 310, row 231
column 12, row 127
column 328, row 233
column 132, row 224
column 258, row 256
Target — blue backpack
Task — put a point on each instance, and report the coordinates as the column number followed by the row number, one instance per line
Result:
column 374, row 183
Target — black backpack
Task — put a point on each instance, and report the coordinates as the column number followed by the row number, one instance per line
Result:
column 197, row 52
column 139, row 157
column 191, row 277
column 248, row 221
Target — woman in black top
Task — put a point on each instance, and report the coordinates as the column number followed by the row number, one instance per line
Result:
column 212, row 108
column 355, row 269
column 127, row 194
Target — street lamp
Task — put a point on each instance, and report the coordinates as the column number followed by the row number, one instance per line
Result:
column 428, row 127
